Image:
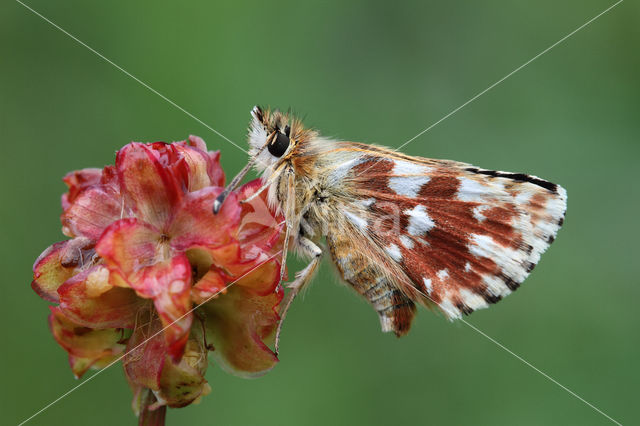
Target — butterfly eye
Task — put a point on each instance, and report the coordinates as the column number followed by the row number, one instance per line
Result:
column 279, row 145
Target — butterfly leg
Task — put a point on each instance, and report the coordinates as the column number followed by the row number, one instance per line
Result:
column 302, row 278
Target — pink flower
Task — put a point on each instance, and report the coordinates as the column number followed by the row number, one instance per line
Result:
column 145, row 250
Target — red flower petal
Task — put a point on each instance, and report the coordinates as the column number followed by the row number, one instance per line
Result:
column 225, row 256
column 213, row 169
column 196, row 225
column 237, row 324
column 85, row 346
column 263, row 279
column 222, row 265
column 92, row 210
column 197, row 163
column 79, row 366
column 151, row 189
column 88, row 299
column 146, row 354
column 57, row 264
column 173, row 161
column 196, row 142
column 216, row 174
column 209, row 276
column 203, row 169
column 209, row 286
column 260, row 227
column 129, row 245
column 134, row 250
column 77, row 181
column 169, row 285
column 147, row 364
column 261, row 274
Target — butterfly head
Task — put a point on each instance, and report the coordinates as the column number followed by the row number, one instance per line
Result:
column 274, row 136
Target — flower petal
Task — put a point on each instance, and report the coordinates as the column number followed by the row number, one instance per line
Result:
column 84, row 345
column 136, row 252
column 261, row 273
column 237, row 324
column 197, row 163
column 196, row 142
column 215, row 172
column 168, row 283
column 77, row 181
column 129, row 245
column 209, row 286
column 261, row 230
column 92, row 210
column 263, row 279
column 89, row 300
column 183, row 383
column 151, row 189
column 204, row 170
column 79, row 366
column 196, row 225
column 210, row 280
column 146, row 354
column 148, row 364
column 57, row 264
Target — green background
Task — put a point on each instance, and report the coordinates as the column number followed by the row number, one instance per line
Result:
column 367, row 71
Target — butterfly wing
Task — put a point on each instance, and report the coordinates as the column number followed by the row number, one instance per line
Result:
column 464, row 237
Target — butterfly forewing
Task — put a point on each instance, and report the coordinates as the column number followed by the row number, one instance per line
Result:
column 465, row 237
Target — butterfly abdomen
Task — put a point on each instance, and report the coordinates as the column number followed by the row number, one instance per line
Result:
column 394, row 308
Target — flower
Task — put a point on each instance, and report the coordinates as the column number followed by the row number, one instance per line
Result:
column 152, row 276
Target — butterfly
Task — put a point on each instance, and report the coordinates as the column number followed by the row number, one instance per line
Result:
column 402, row 231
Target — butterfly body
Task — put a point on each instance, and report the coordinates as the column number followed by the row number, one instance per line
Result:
column 404, row 230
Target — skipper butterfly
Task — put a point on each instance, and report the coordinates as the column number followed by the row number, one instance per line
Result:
column 401, row 230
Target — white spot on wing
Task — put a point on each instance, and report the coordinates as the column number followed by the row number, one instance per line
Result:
column 427, row 285
column 451, row 311
column 394, row 251
column 410, row 178
column 477, row 212
column 443, row 274
column 339, row 172
column 495, row 285
column 523, row 196
column 467, row 267
column 419, row 221
column 510, row 261
column 356, row 220
column 366, row 202
column 472, row 191
column 472, row 300
column 406, row 241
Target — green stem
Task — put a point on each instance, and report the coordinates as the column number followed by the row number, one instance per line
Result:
column 151, row 417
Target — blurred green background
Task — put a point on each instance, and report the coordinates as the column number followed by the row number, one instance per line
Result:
column 360, row 70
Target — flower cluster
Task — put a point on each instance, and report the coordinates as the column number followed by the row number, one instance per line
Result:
column 152, row 276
